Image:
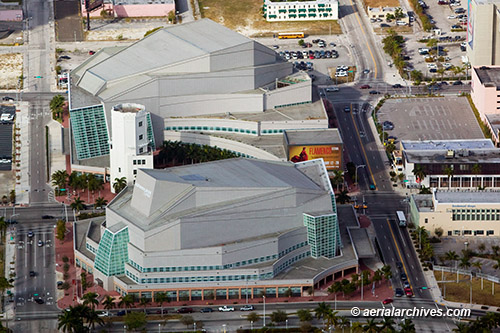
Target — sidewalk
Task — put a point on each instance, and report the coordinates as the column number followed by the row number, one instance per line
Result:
column 22, row 153
column 10, row 268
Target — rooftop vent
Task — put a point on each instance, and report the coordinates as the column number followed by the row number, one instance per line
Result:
column 450, row 154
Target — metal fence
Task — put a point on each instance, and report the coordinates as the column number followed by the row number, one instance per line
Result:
column 491, row 278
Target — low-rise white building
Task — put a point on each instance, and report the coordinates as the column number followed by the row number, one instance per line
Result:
column 457, row 213
column 301, row 10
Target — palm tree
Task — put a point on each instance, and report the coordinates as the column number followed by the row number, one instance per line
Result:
column 67, row 322
column 343, row 322
column 332, row 319
column 419, row 173
column 338, row 178
column 388, row 324
column 93, row 318
column 448, row 170
column 77, row 204
column 441, row 72
column 160, row 298
column 464, row 262
column 343, row 197
column 371, row 326
column 334, row 289
column 462, row 328
column 60, row 178
column 127, row 301
column 476, row 170
column 322, row 310
column 144, row 302
column 100, row 202
column 90, row 298
column 497, row 265
column 109, row 302
column 407, row 326
column 495, row 249
column 75, row 181
column 3, row 227
column 119, row 184
column 451, row 256
column 478, row 265
column 93, row 183
column 304, row 315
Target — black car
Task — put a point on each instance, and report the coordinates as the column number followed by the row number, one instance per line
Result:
column 397, row 85
column 10, row 221
column 7, row 99
column 403, row 277
column 47, row 217
column 121, row 313
column 207, row 310
column 374, row 92
column 39, row 301
column 457, row 83
column 399, row 265
column 30, row 234
column 185, row 310
column 65, row 57
column 399, row 292
column 32, row 273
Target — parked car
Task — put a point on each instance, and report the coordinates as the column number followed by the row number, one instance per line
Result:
column 247, row 307
column 102, row 313
column 121, row 313
column 91, row 52
column 185, row 310
column 457, row 83
column 226, row 308
column 7, row 99
column 207, row 310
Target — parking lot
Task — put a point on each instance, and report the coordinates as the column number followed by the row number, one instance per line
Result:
column 439, row 118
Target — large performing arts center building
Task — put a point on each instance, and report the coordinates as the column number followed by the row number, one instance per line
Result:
column 218, row 230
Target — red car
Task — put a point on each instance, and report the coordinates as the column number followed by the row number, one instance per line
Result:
column 387, row 301
column 365, row 86
column 311, row 56
column 408, row 292
column 91, row 52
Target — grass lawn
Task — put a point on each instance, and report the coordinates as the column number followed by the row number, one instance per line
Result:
column 245, row 17
column 383, row 3
column 460, row 292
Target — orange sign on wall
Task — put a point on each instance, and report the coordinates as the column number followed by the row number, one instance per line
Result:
column 331, row 154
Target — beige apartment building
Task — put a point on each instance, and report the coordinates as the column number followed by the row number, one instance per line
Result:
column 458, row 213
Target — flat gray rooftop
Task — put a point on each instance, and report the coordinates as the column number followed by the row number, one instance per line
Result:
column 272, row 144
column 433, row 118
column 439, row 156
column 296, row 112
column 447, row 144
column 468, row 197
column 315, row 137
column 424, row 202
column 488, row 75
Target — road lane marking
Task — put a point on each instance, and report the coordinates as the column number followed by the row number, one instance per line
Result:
column 399, row 253
column 363, row 149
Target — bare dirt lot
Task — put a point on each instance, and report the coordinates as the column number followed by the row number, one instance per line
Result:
column 11, row 68
column 245, row 17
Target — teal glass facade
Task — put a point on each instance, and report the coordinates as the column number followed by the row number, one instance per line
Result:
column 90, row 132
column 323, row 234
column 112, row 253
column 151, row 137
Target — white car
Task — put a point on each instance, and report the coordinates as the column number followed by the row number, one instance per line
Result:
column 447, row 65
column 332, row 89
column 451, row 17
column 225, row 308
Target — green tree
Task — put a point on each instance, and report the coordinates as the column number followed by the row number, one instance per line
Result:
column 441, row 71
column 407, row 326
column 160, row 298
column 253, row 317
column 3, row 227
column 68, row 322
column 416, row 76
column 322, row 310
column 60, row 230
column 476, row 170
column 439, row 232
column 343, row 197
column 60, row 179
column 304, row 315
column 398, row 13
column 187, row 320
column 388, row 324
column 109, row 302
column 448, row 170
column 338, row 178
column 56, row 105
column 279, row 316
column 332, row 318
column 377, row 276
column 335, row 288
column 12, row 196
column 495, row 249
column 371, row 326
column 90, row 298
column 464, row 262
column 478, row 265
column 93, row 318
column 135, row 320
column 77, row 204
column 301, row 42
column 171, row 17
column 100, row 202
column 419, row 172
column 143, row 301
column 119, row 184
column 127, row 301
column 386, row 270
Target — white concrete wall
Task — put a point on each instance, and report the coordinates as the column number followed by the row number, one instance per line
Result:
column 295, row 93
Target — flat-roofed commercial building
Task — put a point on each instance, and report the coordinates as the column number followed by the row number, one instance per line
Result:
column 220, row 230
column 464, row 164
column 458, row 213
column 312, row 10
column 485, row 94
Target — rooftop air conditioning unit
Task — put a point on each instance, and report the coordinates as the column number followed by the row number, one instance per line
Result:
column 450, row 154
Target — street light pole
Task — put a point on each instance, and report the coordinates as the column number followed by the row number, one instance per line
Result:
column 264, row 316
